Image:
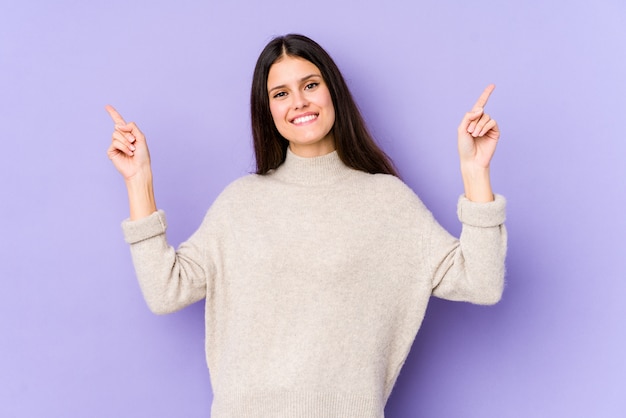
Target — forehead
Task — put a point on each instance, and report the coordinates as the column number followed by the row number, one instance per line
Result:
column 290, row 69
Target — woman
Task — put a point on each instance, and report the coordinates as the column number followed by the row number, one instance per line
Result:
column 317, row 269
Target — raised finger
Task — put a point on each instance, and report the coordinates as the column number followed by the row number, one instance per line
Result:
column 484, row 97
column 117, row 118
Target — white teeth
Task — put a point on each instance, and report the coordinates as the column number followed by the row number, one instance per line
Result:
column 304, row 119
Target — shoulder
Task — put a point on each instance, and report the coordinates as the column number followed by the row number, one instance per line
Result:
column 397, row 197
column 242, row 184
column 388, row 185
column 239, row 189
column 235, row 195
column 387, row 180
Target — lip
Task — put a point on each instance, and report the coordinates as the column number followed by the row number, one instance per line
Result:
column 305, row 115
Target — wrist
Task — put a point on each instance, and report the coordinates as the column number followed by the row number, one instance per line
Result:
column 140, row 196
column 477, row 183
column 139, row 179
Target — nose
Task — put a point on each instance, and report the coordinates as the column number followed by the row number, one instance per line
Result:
column 299, row 100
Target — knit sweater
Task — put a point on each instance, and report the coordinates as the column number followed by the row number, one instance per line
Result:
column 316, row 278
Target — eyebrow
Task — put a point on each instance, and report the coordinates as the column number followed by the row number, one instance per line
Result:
column 282, row 86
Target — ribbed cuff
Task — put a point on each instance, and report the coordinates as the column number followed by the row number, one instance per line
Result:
column 295, row 405
column 145, row 228
column 482, row 215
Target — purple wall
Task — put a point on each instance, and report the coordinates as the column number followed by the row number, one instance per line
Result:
column 76, row 337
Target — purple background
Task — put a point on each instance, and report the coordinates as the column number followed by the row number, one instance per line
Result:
column 76, row 339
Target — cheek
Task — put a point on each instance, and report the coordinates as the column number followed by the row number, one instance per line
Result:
column 328, row 104
column 276, row 112
column 331, row 111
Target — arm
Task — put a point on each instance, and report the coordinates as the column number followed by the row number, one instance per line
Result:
column 472, row 268
column 169, row 280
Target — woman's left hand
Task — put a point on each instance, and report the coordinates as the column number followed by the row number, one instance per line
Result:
column 478, row 134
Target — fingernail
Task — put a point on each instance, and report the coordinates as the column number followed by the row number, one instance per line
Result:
column 132, row 148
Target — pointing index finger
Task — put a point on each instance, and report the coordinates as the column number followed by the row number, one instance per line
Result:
column 117, row 118
column 482, row 100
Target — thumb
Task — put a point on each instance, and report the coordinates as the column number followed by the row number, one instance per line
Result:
column 131, row 131
column 470, row 117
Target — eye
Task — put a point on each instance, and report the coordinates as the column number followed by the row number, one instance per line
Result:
column 279, row 95
column 311, row 86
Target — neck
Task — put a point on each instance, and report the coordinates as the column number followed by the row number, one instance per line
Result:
column 319, row 170
column 317, row 149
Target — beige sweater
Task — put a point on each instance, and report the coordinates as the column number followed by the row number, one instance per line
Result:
column 316, row 279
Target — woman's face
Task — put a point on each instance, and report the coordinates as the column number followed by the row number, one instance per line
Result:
column 301, row 106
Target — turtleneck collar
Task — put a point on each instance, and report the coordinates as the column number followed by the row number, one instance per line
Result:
column 323, row 170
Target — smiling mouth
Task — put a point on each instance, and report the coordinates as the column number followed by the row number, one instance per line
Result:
column 304, row 119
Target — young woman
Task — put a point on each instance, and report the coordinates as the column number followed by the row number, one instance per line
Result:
column 317, row 269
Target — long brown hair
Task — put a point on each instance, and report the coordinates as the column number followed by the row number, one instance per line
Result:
column 355, row 145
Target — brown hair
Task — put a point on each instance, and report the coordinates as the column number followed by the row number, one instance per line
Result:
column 355, row 145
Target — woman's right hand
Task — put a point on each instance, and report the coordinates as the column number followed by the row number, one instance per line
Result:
column 128, row 150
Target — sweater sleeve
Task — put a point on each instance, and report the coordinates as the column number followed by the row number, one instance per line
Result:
column 471, row 268
column 169, row 279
